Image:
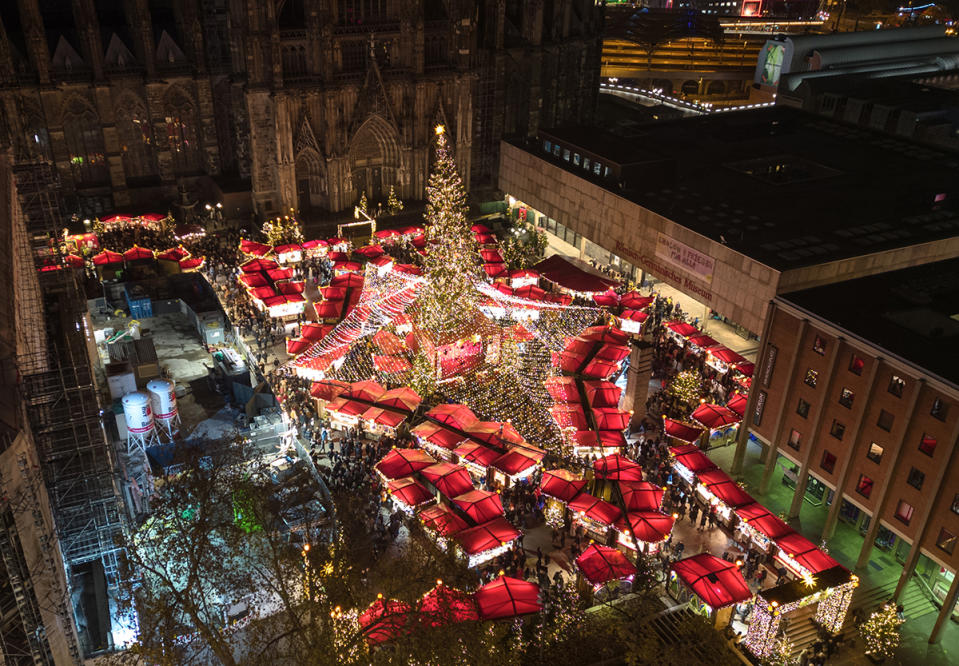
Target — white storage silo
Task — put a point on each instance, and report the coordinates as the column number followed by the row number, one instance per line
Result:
column 165, row 413
column 139, row 418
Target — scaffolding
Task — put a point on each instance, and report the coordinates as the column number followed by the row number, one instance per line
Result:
column 59, row 391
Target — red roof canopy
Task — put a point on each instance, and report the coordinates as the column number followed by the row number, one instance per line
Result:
column 384, row 620
column 562, row 389
column 737, row 403
column 569, row 276
column 601, row 564
column 611, row 418
column 602, row 438
column 255, row 265
column 253, row 280
column 107, row 257
column 487, row 536
column 635, row 301
column 723, row 487
column 514, row 462
column 409, row 491
column 439, row 436
column 569, row 416
column 725, row 355
column 604, row 334
column 648, row 526
column 714, row 580
column 403, row 462
column 682, row 328
column 507, row 597
column 696, row 462
column 442, row 520
column 370, row 251
column 804, row 552
column 617, row 467
column 635, row 315
column 476, row 453
column 444, row 605
column 480, row 505
column 561, row 484
column 458, row 416
column 641, row 495
column 403, row 398
column 348, row 280
column 681, row 431
column 451, row 480
column 602, row 393
column 173, row 254
column 702, row 341
column 366, row 390
column 746, row 367
column 599, row 510
column 715, row 416
column 609, row 299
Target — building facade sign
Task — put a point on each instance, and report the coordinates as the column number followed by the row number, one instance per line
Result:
column 664, row 272
column 684, row 257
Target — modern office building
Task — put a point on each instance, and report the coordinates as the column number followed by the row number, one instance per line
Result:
column 856, row 397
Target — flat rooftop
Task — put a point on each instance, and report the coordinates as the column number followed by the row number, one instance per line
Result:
column 787, row 188
column 913, row 313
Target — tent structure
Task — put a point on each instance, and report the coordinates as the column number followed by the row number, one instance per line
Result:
column 383, row 620
column 763, row 521
column 794, row 546
column 617, row 467
column 107, row 257
column 409, row 492
column 480, row 505
column 451, row 480
column 328, row 389
column 567, row 275
column 137, row 253
column 403, row 398
column 714, row 580
column 641, row 495
column 682, row 329
column 398, row 463
column 561, row 484
column 515, row 463
column 507, row 597
column 442, row 520
column 737, row 404
column 681, row 431
column 636, row 301
column 648, row 526
column 695, row 462
column 727, row 491
column 595, row 509
column 455, row 415
column 446, row 605
column 601, row 564
column 489, row 539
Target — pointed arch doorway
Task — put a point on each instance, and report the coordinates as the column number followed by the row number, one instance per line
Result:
column 310, row 181
column 374, row 159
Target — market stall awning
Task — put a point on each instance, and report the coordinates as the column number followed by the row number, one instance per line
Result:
column 599, row 369
column 447, row 605
column 530, row 292
column 714, row 416
column 398, row 463
column 601, row 564
column 569, row 276
column 253, row 280
column 107, row 257
column 562, row 389
column 437, row 435
column 328, row 389
column 604, row 334
column 724, row 488
column 451, row 480
column 641, row 495
column 403, row 398
column 173, row 254
column 137, row 253
column 636, row 301
column 384, row 620
column 476, row 453
column 681, row 431
column 635, row 315
column 491, row 534
column 772, row 527
column 370, row 251
column 594, row 508
column 313, row 332
column 726, row 355
column 682, row 328
column 800, row 549
column 442, row 520
column 254, row 249
column 455, row 415
column 714, row 580
column 737, row 403
column 561, row 484
column 480, row 505
column 607, row 299
column 514, row 463
column 611, row 418
column 746, row 368
column 696, row 462
column 648, row 526
column 409, row 491
column 345, row 405
column 367, row 390
column 384, row 417
column 288, row 248
column 602, row 393
column 617, row 467
column 258, row 265
column 297, row 346
column 702, row 341
column 507, row 597
column 605, row 439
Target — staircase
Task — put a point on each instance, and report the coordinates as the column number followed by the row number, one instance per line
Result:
column 913, row 599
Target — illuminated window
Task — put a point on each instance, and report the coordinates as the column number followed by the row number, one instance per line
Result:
column 586, row 163
column 596, row 167
column 896, row 385
column 928, row 445
column 819, row 345
column 916, row 478
column 875, row 453
column 939, row 409
column 828, row 462
column 904, row 511
column 837, row 430
column 547, row 145
column 576, row 159
column 946, row 540
column 864, row 486
column 566, row 154
column 802, row 408
column 856, row 365
column 846, row 397
column 794, row 438
column 886, row 420
column 556, row 149
column 811, row 377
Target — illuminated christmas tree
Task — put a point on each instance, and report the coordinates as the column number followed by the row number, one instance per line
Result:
column 393, row 203
column 363, row 204
column 880, row 632
column 282, row 230
column 447, row 303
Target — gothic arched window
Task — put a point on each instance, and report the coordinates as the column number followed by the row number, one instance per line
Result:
column 36, row 138
column 84, row 140
column 182, row 136
column 136, row 139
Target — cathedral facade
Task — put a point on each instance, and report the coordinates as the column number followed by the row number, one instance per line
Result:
column 306, row 104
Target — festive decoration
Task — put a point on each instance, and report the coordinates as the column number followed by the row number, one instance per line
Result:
column 393, row 203
column 282, row 231
column 782, row 654
column 363, row 205
column 686, row 388
column 880, row 632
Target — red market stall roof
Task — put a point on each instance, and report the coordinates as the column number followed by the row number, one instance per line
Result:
column 714, row 580
column 346, row 266
column 609, row 299
column 442, row 520
column 313, row 244
column 599, row 510
column 737, row 404
column 347, row 280
column 507, row 597
column 682, row 328
column 702, row 341
column 74, row 260
column 476, row 453
column 725, row 489
column 173, row 254
column 328, row 389
column 617, row 467
column 599, row 369
column 384, row 620
column 398, row 463
column 681, row 431
column 107, row 257
column 455, row 415
column 344, row 404
column 561, row 484
column 388, row 342
column 604, row 334
column 747, row 368
column 569, row 276
column 384, row 417
column 409, row 491
column 261, row 293
column 451, row 480
column 257, row 265
column 287, row 248
column 696, row 462
column 254, row 249
column 445, row 605
column 641, row 495
column 761, row 520
column 390, row 364
column 648, row 526
column 191, row 263
column 486, row 239
column 714, row 416
column 297, row 346
column 328, row 309
column 800, row 549
column 366, row 390
column 601, row 393
column 569, row 416
column 601, row 564
column 514, row 462
column 602, row 438
column 403, row 398
column 530, row 292
column 494, row 270
column 491, row 256
column 726, row 355
column 523, row 273
column 480, row 229
column 635, row 315
column 635, row 301
column 437, row 435
column 370, row 251
column 611, row 418
column 313, row 332
column 386, row 233
column 487, row 536
column 481, row 506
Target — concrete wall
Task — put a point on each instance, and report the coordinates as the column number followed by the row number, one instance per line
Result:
column 740, row 289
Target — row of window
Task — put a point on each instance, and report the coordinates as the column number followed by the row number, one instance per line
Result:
column 597, row 167
column 927, row 444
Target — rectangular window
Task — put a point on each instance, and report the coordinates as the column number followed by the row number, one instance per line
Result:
column 856, row 364
column 837, row 430
column 946, row 540
column 556, row 149
column 846, row 397
column 794, row 438
column 828, row 462
column 928, row 445
column 819, row 345
column 904, row 511
column 874, row 453
column 802, row 408
column 586, row 163
column 576, row 159
column 596, row 167
column 547, row 145
column 864, row 486
column 566, row 154
column 811, row 377
column 886, row 420
column 896, row 385
column 939, row 409
column 606, row 171
column 915, row 478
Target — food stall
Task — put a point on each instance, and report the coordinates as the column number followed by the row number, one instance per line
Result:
column 596, row 516
column 710, row 585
